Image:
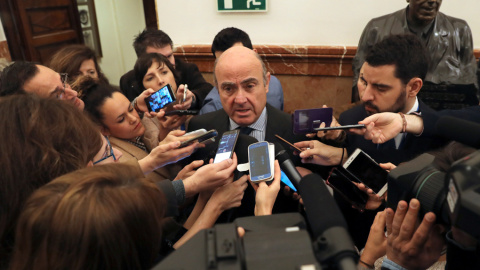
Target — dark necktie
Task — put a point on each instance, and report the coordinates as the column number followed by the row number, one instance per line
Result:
column 245, row 130
column 387, row 145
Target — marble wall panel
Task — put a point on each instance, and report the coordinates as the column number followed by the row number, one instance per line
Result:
column 310, row 75
column 4, row 52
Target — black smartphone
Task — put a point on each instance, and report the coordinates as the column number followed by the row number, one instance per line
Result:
column 160, row 99
column 337, row 127
column 259, row 157
column 366, row 170
column 200, row 138
column 341, row 183
column 226, row 145
column 289, row 144
column 303, row 120
column 182, row 112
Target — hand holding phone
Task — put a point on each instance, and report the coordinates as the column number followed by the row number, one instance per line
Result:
column 226, row 145
column 160, row 99
column 367, row 171
column 339, row 180
column 261, row 162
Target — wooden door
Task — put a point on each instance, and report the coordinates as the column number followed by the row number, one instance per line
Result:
column 35, row 29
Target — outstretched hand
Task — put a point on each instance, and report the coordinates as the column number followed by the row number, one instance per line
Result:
column 409, row 245
column 376, row 245
column 319, row 153
column 210, row 176
column 380, row 127
column 266, row 194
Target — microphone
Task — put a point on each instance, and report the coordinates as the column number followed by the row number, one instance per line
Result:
column 459, row 130
column 329, row 228
column 287, row 166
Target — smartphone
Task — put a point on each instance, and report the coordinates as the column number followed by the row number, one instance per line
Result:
column 337, row 127
column 185, row 93
column 259, row 159
column 195, row 132
column 340, row 182
column 200, row 138
column 226, row 145
column 182, row 112
column 290, row 144
column 366, row 170
column 158, row 100
column 287, row 181
column 303, row 119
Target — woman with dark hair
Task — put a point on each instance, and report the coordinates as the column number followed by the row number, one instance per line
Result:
column 103, row 217
column 77, row 60
column 152, row 72
column 40, row 140
column 118, row 120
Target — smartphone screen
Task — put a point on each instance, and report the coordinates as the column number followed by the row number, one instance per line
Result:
column 259, row 159
column 303, row 119
column 226, row 145
column 347, row 189
column 287, row 181
column 160, row 99
column 368, row 171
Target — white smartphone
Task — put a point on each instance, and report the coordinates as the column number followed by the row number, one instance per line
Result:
column 261, row 168
column 226, row 145
column 367, row 171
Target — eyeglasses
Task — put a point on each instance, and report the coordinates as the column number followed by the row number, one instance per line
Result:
column 63, row 78
column 107, row 156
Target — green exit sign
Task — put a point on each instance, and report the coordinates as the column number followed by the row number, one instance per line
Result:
column 242, row 5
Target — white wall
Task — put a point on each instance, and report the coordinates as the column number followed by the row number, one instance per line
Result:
column 118, row 22
column 2, row 34
column 293, row 22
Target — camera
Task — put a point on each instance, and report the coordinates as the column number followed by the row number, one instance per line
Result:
column 453, row 196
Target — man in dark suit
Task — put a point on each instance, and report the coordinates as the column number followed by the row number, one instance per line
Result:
column 157, row 41
column 242, row 81
column 389, row 81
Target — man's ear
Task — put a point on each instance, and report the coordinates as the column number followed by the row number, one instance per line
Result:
column 267, row 83
column 414, row 86
column 90, row 164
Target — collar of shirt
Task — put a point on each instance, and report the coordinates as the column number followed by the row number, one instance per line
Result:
column 138, row 143
column 258, row 126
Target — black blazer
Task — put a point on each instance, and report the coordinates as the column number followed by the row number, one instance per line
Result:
column 278, row 122
column 189, row 74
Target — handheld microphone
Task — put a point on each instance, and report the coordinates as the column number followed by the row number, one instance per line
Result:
column 329, row 228
column 287, row 166
column 460, row 130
